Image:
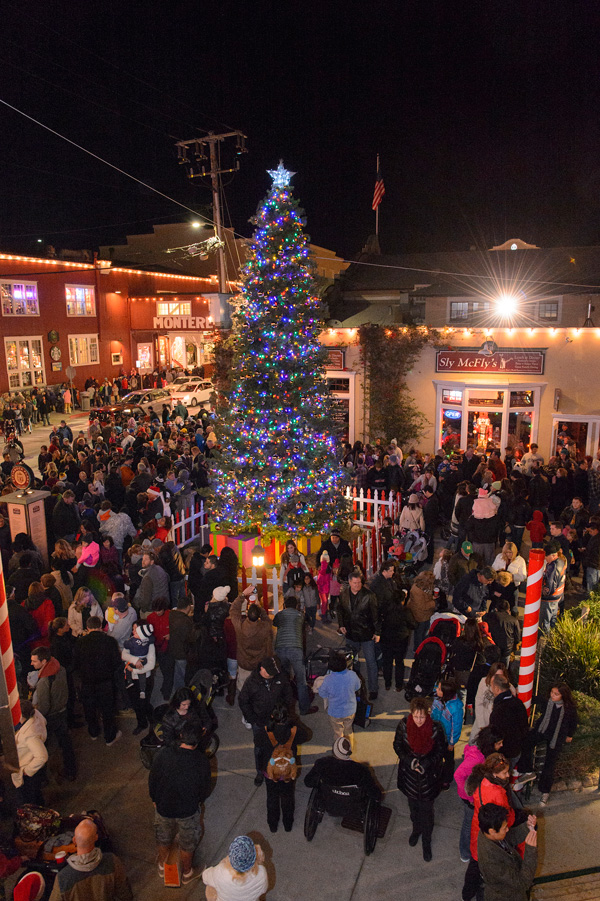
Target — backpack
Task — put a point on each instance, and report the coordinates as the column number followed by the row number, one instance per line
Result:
column 282, row 766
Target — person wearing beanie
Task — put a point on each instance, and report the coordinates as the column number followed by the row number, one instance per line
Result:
column 263, row 690
column 139, row 654
column 342, row 770
column 240, row 875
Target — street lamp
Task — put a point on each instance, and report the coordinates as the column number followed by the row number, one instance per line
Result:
column 507, row 305
column 258, row 556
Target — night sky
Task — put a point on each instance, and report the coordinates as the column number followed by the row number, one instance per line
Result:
column 486, row 116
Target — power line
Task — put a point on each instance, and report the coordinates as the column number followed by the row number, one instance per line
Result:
column 102, row 160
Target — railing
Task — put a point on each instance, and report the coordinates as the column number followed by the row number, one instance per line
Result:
column 265, row 582
column 370, row 508
column 190, row 523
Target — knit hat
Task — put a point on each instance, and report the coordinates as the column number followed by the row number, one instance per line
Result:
column 467, row 547
column 483, row 492
column 552, row 547
column 342, row 749
column 220, row 592
column 242, row 854
column 496, row 486
column 413, row 499
column 145, row 631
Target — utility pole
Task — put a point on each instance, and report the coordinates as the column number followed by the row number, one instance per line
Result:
column 192, row 155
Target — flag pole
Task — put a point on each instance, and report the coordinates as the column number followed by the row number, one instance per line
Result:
column 377, row 210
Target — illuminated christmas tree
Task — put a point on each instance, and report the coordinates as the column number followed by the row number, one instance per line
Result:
column 279, row 470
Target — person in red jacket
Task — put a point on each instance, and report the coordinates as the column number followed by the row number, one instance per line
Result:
column 537, row 529
column 489, row 783
column 42, row 609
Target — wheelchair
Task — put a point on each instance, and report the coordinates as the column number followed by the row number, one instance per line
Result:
column 343, row 801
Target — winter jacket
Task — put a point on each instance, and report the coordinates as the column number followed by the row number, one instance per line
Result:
column 259, row 696
column 459, row 566
column 106, row 881
column 504, row 873
column 65, row 519
column 75, row 617
column 51, row 692
column 539, row 492
column 578, row 519
column 332, row 771
column 472, row 757
column 179, row 781
column 23, row 627
column 412, row 519
column 324, row 578
column 536, row 527
column 397, row 620
column 116, row 526
column 420, row 600
column 172, row 722
column 43, row 614
column 482, row 531
column 358, row 614
column 154, row 584
column 554, row 580
column 419, row 777
column 486, row 791
column 289, row 623
column 591, row 553
column 470, row 592
column 505, row 630
column 340, row 691
column 343, row 549
column 181, row 633
column 149, row 656
column 97, row 658
column 120, row 628
column 509, row 719
column 20, row 580
column 449, row 716
column 211, row 579
column 31, row 750
column 254, row 640
column 517, row 568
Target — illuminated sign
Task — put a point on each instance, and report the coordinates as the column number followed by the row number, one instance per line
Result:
column 181, row 322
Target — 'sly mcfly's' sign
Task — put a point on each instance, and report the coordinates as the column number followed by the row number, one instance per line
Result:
column 503, row 360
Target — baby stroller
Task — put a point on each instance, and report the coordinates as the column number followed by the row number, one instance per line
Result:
column 446, row 629
column 427, row 668
column 415, row 544
column 317, row 662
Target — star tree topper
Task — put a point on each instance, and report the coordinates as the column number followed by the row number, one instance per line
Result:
column 281, row 176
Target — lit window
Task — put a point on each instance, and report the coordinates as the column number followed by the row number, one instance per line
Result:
column 464, row 310
column 174, row 308
column 83, row 350
column 548, row 311
column 19, row 299
column 24, row 362
column 81, row 300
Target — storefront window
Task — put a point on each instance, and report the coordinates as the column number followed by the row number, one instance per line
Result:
column 521, row 399
column 24, row 362
column 449, row 396
column 451, row 429
column 519, row 429
column 163, row 350
column 486, row 398
column 485, row 427
column 573, row 436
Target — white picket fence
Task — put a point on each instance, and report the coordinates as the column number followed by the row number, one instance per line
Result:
column 272, row 583
column 190, row 523
column 370, row 508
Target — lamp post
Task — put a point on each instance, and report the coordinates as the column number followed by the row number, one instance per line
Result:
column 258, row 561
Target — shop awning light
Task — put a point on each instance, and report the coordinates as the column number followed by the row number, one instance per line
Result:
column 507, row 305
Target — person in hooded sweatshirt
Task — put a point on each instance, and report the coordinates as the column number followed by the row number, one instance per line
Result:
column 537, row 529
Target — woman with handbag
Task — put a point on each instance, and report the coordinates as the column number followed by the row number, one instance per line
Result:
column 419, row 743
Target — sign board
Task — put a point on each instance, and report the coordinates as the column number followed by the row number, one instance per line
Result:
column 56, row 367
column 26, row 514
column 336, row 358
column 341, row 417
column 21, row 476
column 70, row 372
column 189, row 323
column 504, row 360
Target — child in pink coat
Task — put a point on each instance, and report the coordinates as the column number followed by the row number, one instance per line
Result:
column 324, row 583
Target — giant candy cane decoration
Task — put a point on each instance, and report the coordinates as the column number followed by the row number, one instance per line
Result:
column 533, row 600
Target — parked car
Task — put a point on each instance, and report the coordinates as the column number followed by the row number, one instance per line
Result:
column 182, row 380
column 117, row 414
column 194, row 394
column 151, row 397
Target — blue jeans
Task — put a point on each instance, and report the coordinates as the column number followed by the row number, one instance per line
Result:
column 176, row 591
column 368, row 649
column 421, row 631
column 592, row 577
column 179, row 674
column 548, row 614
column 465, row 832
column 294, row 658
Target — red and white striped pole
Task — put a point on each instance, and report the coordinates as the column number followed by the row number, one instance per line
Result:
column 533, row 600
column 10, row 706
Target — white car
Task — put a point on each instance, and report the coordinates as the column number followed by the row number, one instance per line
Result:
column 150, row 397
column 194, row 394
column 182, row 380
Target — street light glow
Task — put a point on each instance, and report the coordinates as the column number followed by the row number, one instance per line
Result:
column 507, row 305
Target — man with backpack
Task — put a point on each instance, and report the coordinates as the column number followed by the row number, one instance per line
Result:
column 266, row 687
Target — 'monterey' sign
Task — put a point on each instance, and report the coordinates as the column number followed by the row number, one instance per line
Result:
column 189, row 323
column 502, row 360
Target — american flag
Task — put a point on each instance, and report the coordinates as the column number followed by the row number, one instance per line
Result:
column 379, row 189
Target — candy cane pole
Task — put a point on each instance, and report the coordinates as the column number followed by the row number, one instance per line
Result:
column 10, row 706
column 533, row 600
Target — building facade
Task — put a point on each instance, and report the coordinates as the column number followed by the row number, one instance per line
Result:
column 96, row 319
column 514, row 344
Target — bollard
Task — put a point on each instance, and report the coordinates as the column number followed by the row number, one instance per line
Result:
column 533, row 600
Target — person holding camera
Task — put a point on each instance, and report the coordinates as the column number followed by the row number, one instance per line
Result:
column 253, row 633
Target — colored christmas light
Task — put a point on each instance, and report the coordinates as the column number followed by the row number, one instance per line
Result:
column 279, row 470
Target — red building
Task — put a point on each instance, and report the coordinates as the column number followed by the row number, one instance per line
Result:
column 98, row 319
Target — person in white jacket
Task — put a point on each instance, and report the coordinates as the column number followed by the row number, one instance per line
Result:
column 84, row 605
column 411, row 516
column 30, row 736
column 510, row 560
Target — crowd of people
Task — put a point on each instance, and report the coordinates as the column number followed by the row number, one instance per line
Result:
column 122, row 617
